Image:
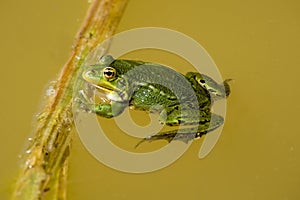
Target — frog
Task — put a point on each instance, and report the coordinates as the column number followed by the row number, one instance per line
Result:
column 180, row 100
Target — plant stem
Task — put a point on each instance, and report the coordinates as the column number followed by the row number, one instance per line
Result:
column 44, row 168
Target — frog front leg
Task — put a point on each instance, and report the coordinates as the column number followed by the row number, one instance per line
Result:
column 104, row 109
column 108, row 110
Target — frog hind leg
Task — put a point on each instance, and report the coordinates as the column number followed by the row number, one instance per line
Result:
column 186, row 134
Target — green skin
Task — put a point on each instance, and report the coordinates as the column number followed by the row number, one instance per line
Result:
column 149, row 87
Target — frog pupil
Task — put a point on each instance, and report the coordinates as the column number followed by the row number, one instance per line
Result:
column 108, row 73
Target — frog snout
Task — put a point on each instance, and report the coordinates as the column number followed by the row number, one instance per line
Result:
column 90, row 73
column 91, row 76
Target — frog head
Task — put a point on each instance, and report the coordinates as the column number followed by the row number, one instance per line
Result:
column 107, row 78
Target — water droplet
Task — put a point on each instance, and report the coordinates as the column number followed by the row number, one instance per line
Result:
column 50, row 91
column 27, row 162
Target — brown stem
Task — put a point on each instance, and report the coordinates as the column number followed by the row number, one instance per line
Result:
column 44, row 170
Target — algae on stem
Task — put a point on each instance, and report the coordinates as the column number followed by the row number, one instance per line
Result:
column 43, row 174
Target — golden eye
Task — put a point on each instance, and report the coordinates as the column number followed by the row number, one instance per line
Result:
column 109, row 73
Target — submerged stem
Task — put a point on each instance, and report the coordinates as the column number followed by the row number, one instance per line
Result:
column 44, row 168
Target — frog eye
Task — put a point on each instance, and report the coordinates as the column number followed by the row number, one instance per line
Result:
column 109, row 73
column 202, row 82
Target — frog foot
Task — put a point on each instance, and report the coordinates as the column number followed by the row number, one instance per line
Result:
column 169, row 136
column 84, row 102
column 227, row 87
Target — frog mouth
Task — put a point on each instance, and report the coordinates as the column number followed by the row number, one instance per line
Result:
column 104, row 88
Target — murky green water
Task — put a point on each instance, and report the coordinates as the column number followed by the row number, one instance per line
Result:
column 254, row 42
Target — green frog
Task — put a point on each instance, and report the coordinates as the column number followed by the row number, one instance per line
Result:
column 178, row 99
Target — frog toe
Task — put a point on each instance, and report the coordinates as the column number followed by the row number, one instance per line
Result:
column 159, row 136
